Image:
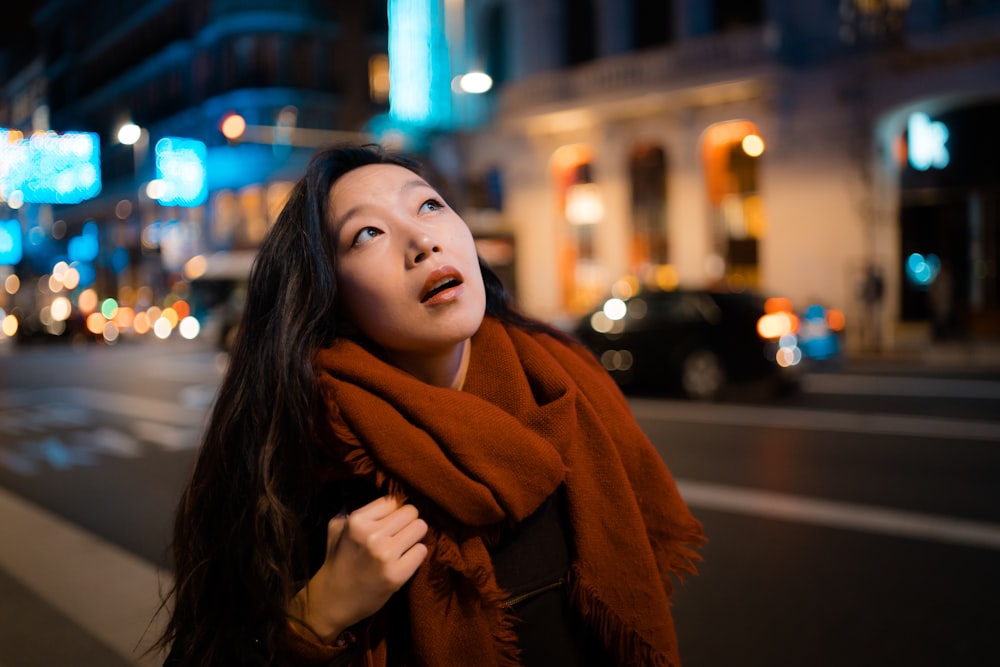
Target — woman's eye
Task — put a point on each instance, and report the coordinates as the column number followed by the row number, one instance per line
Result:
column 365, row 235
column 431, row 205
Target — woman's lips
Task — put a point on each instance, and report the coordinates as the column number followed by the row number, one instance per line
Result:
column 442, row 285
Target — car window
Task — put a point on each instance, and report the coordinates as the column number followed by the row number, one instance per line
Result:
column 676, row 308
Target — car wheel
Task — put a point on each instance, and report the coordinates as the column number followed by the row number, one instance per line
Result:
column 702, row 374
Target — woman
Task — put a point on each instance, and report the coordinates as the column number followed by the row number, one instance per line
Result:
column 401, row 469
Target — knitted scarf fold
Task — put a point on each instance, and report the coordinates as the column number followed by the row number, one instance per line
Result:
column 535, row 413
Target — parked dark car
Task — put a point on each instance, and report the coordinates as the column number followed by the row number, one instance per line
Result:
column 691, row 341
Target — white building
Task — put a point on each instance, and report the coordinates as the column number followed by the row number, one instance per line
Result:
column 616, row 146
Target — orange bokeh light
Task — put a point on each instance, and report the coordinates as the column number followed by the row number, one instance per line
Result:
column 233, row 126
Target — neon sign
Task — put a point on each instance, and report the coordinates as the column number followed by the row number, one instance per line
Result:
column 49, row 168
column 927, row 141
column 10, row 242
column 180, row 168
column 418, row 63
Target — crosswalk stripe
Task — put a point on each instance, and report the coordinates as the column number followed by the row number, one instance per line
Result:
column 837, row 421
column 838, row 514
column 107, row 591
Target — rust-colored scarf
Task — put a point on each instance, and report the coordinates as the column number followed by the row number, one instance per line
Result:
column 534, row 413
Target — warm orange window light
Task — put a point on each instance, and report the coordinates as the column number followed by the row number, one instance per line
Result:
column 776, row 304
column 715, row 147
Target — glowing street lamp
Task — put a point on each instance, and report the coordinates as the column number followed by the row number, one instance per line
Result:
column 475, row 83
column 129, row 134
column 137, row 137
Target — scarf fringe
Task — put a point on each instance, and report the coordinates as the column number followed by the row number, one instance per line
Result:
column 683, row 559
column 481, row 578
column 630, row 648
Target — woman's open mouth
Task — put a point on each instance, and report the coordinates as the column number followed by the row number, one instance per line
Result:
column 438, row 284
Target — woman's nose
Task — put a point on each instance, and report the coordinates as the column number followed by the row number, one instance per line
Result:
column 421, row 247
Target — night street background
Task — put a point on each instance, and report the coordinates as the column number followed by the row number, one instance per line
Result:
column 856, row 522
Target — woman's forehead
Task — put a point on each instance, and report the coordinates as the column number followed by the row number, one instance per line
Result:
column 378, row 177
column 370, row 184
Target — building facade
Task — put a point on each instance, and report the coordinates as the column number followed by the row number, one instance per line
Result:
column 830, row 152
column 295, row 74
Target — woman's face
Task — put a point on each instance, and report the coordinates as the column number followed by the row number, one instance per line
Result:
column 407, row 270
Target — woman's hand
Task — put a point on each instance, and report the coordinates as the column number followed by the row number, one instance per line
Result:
column 370, row 554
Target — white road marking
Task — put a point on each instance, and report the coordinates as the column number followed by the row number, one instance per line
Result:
column 838, row 514
column 882, row 385
column 815, row 420
column 138, row 407
column 169, row 437
column 110, row 593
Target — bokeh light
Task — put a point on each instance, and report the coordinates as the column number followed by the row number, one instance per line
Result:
column 141, row 324
column 61, row 308
column 9, row 325
column 87, row 301
column 109, row 307
column 189, row 328
column 233, row 126
column 95, row 323
column 162, row 328
column 615, row 309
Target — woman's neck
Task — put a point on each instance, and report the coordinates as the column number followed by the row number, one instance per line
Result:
column 444, row 369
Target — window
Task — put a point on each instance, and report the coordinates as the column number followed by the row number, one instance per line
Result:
column 652, row 23
column 730, row 14
column 648, row 176
column 731, row 152
column 580, row 36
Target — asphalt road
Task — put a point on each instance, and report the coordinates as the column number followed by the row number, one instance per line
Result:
column 857, row 522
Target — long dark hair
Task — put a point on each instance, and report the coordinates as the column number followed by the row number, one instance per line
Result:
column 240, row 549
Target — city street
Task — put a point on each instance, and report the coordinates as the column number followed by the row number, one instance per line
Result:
column 854, row 523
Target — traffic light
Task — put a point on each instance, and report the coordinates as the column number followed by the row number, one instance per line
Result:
column 233, row 126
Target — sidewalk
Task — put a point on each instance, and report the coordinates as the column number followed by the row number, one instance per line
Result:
column 69, row 598
column 967, row 358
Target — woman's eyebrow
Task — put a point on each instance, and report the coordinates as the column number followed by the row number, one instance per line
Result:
column 354, row 210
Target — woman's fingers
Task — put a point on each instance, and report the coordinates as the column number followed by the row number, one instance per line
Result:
column 378, row 508
column 371, row 553
column 384, row 529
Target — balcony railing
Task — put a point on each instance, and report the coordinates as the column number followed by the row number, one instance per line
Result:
column 699, row 59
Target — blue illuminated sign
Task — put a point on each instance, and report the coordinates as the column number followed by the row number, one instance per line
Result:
column 84, row 248
column 926, row 142
column 419, row 81
column 50, row 168
column 10, row 242
column 180, row 165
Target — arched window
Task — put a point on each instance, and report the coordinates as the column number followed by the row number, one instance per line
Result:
column 580, row 206
column 731, row 152
column 650, row 248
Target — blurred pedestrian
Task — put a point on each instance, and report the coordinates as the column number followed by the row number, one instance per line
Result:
column 400, row 468
column 941, row 302
column 871, row 291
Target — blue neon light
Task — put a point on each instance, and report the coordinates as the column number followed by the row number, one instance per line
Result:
column 11, row 248
column 180, row 164
column 927, row 142
column 922, row 271
column 419, row 86
column 50, row 168
column 84, row 248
